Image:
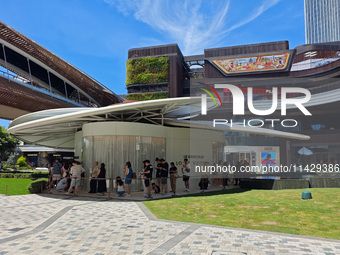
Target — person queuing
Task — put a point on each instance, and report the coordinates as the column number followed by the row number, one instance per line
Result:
column 204, row 183
column 101, row 180
column 66, row 174
column 94, row 176
column 173, row 177
column 164, row 175
column 186, row 174
column 225, row 177
column 128, row 177
column 62, row 185
column 66, row 169
column 158, row 172
column 156, row 188
column 56, row 172
column 148, row 176
column 119, row 187
column 75, row 172
column 141, row 174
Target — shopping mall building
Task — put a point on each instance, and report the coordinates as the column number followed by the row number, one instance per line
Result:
column 315, row 67
column 162, row 116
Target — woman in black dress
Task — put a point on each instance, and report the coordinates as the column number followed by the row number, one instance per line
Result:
column 102, row 182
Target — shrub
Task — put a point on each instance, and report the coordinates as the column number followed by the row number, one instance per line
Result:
column 147, row 70
column 23, row 176
column 22, row 161
column 27, row 175
column 37, row 175
column 4, row 165
column 147, row 96
column 6, row 171
column 6, row 175
column 24, row 168
column 35, row 186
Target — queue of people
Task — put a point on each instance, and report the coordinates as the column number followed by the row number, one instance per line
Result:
column 162, row 175
column 64, row 177
column 98, row 179
column 69, row 178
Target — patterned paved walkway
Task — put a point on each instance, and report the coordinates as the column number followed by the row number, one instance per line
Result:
column 33, row 224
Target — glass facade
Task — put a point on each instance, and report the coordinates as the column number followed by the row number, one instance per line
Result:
column 114, row 151
column 322, row 21
column 316, row 154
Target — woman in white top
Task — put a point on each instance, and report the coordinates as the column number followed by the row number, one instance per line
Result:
column 186, row 174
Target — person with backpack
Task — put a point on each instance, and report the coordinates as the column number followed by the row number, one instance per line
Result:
column 56, row 173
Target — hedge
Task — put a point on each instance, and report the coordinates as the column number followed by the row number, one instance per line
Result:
column 34, row 175
column 274, row 184
column 147, row 70
column 290, row 183
column 325, row 182
column 6, row 175
column 35, row 186
column 37, row 175
column 23, row 176
column 147, row 96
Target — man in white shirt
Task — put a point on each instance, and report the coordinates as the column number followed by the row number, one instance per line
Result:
column 75, row 172
column 186, row 174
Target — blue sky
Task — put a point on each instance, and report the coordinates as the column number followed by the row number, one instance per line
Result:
column 95, row 35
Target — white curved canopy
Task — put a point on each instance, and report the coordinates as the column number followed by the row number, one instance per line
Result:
column 57, row 128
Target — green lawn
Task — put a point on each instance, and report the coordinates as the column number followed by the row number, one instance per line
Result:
column 270, row 210
column 15, row 186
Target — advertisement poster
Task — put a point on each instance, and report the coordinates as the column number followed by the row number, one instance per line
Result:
column 268, row 159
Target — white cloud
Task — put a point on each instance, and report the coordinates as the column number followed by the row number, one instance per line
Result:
column 193, row 25
column 256, row 13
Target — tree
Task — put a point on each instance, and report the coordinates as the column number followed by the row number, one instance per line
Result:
column 7, row 143
column 22, row 161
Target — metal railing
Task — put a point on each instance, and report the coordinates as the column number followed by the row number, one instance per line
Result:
column 38, row 87
column 194, row 180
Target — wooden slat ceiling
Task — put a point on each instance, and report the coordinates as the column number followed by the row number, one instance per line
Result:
column 18, row 100
column 80, row 79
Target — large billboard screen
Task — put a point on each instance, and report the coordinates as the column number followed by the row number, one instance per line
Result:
column 255, row 63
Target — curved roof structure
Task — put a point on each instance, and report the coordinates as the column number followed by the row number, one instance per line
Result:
column 57, row 128
column 26, row 64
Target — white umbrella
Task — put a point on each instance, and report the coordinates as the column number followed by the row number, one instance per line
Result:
column 305, row 151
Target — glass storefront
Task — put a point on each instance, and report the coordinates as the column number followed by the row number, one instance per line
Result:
column 316, row 154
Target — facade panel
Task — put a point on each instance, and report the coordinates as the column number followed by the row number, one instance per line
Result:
column 322, row 21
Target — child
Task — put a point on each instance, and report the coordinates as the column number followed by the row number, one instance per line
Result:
column 156, row 188
column 119, row 187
